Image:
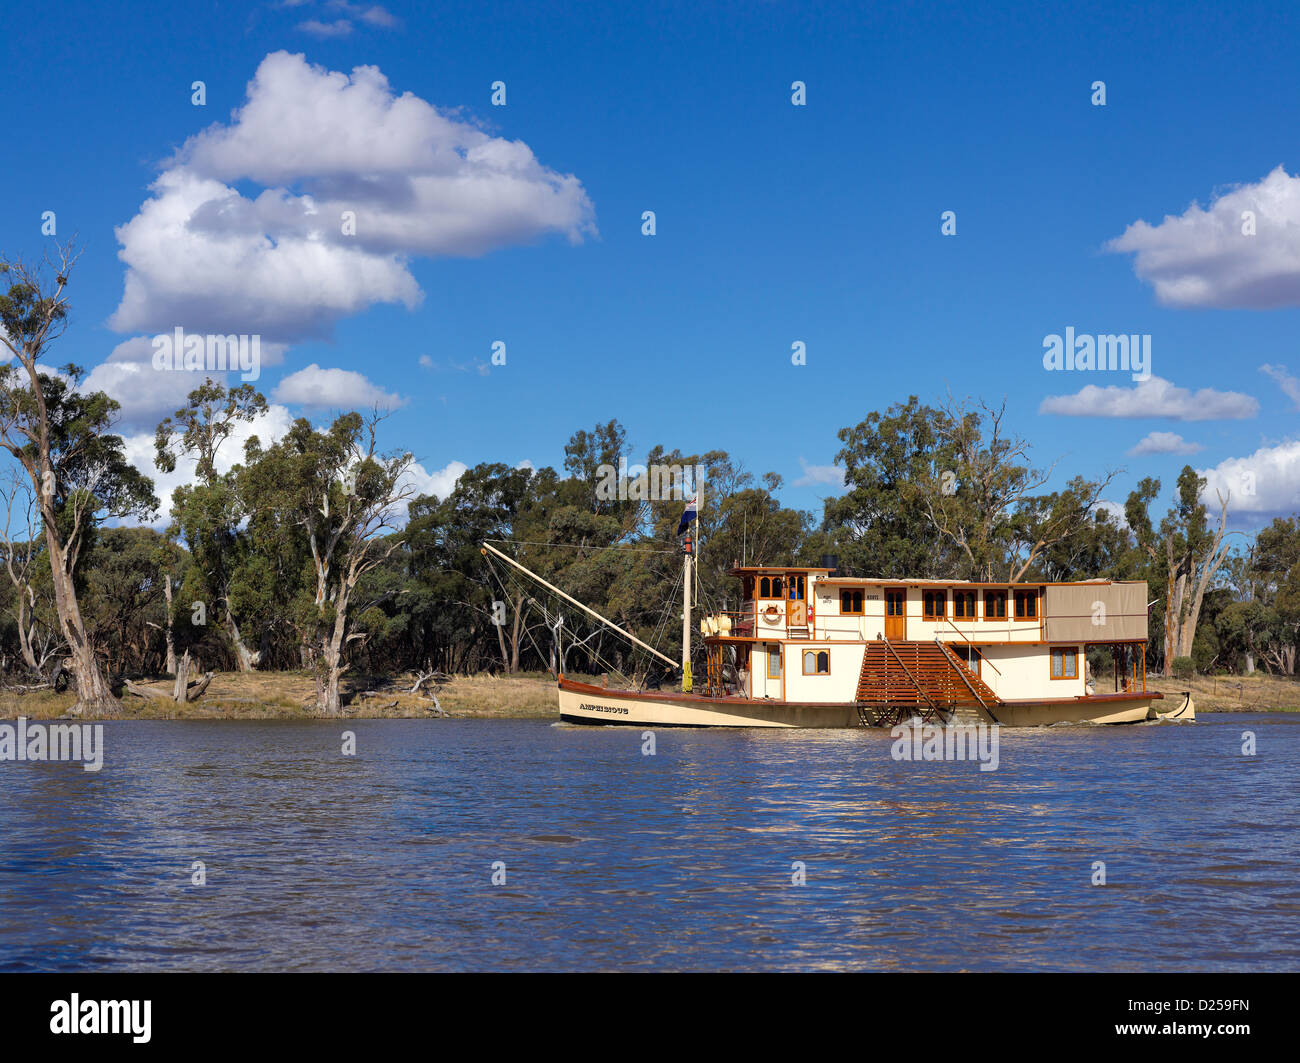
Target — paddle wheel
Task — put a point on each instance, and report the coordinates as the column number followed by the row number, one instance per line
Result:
column 903, row 680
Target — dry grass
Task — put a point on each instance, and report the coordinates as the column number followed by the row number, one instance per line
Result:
column 1243, row 693
column 292, row 695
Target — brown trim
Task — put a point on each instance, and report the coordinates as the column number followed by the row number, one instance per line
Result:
column 573, row 686
column 933, row 616
column 803, row 663
column 780, row 663
column 995, row 592
column 974, row 602
column 860, row 641
column 870, row 582
column 862, row 602
column 1020, row 596
column 1074, row 650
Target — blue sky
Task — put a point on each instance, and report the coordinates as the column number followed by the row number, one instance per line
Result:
column 775, row 223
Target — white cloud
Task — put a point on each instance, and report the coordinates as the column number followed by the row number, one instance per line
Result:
column 1290, row 385
column 322, row 389
column 1154, row 397
column 339, row 28
column 1113, row 509
column 268, row 427
column 1165, row 443
column 1203, row 258
column 439, row 483
column 1264, row 484
column 426, row 362
column 371, row 14
column 204, row 256
column 829, row 475
column 146, row 394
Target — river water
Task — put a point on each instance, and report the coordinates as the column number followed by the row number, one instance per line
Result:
column 685, row 859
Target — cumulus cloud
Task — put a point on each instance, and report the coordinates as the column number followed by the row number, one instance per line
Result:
column 1165, row 443
column 1154, row 397
column 1203, row 257
column 1264, row 484
column 1113, row 510
column 829, row 475
column 438, row 483
column 323, row 389
column 355, row 182
column 146, row 394
column 1290, row 385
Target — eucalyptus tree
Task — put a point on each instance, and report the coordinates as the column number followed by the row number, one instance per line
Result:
column 209, row 513
column 31, row 605
column 61, row 439
column 1184, row 553
column 344, row 496
column 880, row 525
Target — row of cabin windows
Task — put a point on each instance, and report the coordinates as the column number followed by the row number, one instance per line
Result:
column 779, row 587
column 1065, row 661
column 815, row 662
column 934, row 605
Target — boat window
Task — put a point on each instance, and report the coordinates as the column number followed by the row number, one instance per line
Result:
column 934, row 604
column 774, row 662
column 851, row 602
column 777, row 591
column 796, row 588
column 963, row 605
column 765, row 587
column 817, row 662
column 1026, row 605
column 995, row 605
column 1065, row 663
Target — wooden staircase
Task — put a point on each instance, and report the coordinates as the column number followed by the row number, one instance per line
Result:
column 902, row 679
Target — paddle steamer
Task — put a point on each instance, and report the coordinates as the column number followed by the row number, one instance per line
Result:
column 810, row 648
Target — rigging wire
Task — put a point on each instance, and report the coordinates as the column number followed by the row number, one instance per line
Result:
column 526, row 594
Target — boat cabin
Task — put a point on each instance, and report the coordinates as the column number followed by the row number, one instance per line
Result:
column 808, row 635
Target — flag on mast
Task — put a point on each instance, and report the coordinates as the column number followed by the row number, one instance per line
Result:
column 690, row 514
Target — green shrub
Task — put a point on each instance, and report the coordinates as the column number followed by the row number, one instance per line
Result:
column 1182, row 668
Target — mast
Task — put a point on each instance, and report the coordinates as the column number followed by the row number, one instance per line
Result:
column 686, row 615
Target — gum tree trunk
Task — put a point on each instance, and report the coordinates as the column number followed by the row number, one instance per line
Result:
column 94, row 697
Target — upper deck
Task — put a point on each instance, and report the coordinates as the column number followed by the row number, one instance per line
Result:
column 811, row 604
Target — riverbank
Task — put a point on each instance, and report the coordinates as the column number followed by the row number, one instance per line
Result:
column 1237, row 693
column 292, row 695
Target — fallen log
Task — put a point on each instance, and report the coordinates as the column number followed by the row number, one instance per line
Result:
column 198, row 688
column 145, row 692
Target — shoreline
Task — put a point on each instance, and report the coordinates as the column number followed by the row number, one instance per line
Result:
column 291, row 696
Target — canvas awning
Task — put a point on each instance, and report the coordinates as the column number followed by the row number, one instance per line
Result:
column 1113, row 612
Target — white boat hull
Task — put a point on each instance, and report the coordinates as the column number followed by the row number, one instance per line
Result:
column 583, row 704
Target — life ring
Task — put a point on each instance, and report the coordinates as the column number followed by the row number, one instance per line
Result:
column 771, row 614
